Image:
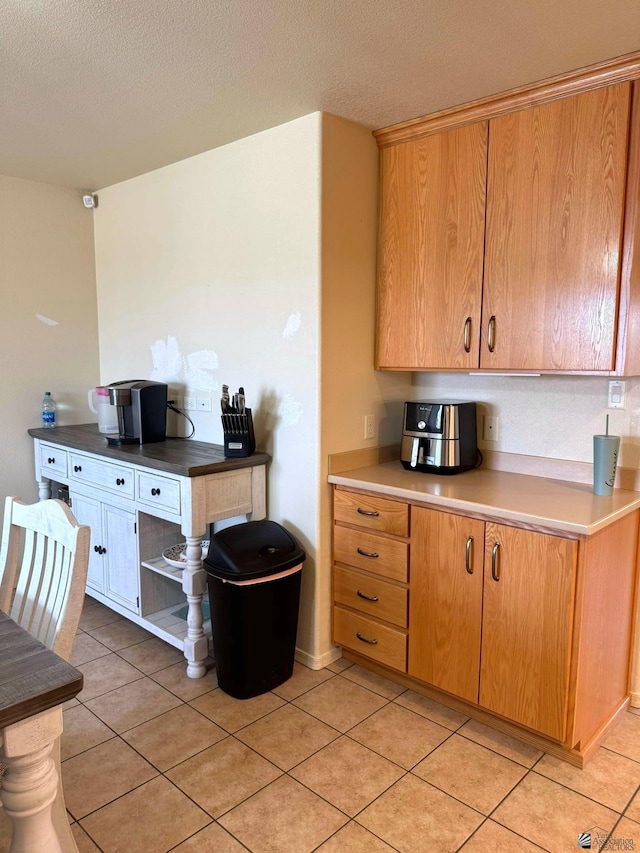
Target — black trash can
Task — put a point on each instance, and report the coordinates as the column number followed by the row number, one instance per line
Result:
column 253, row 572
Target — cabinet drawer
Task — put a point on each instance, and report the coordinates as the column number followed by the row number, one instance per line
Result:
column 370, row 595
column 158, row 491
column 105, row 475
column 53, row 460
column 371, row 512
column 386, row 557
column 368, row 637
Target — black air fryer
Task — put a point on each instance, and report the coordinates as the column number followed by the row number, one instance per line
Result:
column 439, row 437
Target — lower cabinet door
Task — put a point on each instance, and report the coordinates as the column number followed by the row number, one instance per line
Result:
column 447, row 553
column 121, row 557
column 529, row 582
column 89, row 511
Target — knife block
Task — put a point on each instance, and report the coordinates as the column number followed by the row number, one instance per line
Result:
column 239, row 439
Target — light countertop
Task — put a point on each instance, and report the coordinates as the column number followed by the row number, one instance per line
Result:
column 554, row 505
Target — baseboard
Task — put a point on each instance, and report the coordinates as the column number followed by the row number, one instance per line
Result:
column 318, row 661
column 634, row 701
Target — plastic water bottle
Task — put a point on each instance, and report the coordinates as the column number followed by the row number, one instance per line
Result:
column 48, row 411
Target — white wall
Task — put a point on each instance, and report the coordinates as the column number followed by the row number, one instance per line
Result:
column 49, row 339
column 350, row 387
column 208, row 272
column 548, row 416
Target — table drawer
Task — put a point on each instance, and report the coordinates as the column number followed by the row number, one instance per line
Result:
column 367, row 637
column 53, row 461
column 371, row 595
column 105, row 475
column 386, row 557
column 371, row 512
column 158, row 491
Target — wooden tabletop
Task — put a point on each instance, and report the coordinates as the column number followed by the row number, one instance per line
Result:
column 185, row 457
column 32, row 677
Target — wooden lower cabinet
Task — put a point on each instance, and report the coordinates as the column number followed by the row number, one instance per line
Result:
column 527, row 622
column 446, row 600
column 530, row 628
column 491, row 616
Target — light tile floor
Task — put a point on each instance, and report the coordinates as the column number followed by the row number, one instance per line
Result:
column 333, row 761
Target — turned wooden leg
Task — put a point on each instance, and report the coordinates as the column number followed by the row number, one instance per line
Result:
column 30, row 782
column 44, row 489
column 194, row 582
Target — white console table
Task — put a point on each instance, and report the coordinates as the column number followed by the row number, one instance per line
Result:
column 139, row 500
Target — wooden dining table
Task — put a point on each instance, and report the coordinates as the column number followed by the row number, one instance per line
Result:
column 34, row 684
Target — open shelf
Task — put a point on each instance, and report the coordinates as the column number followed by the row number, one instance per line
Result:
column 160, row 567
column 172, row 628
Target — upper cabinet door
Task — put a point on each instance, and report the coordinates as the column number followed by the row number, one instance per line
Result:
column 555, row 201
column 432, row 210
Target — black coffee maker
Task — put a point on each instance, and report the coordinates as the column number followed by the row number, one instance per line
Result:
column 142, row 411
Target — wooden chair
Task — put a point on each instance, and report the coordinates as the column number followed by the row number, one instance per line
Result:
column 44, row 556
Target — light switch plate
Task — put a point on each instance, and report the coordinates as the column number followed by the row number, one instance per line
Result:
column 617, row 390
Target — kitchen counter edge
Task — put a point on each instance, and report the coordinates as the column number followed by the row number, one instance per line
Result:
column 553, row 505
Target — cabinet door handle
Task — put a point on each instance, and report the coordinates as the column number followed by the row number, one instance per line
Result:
column 77, row 468
column 371, row 513
column 367, row 597
column 96, row 548
column 51, row 460
column 365, row 640
column 155, row 491
column 491, row 334
column 372, row 554
column 467, row 335
column 495, row 562
column 468, row 557
column 120, row 481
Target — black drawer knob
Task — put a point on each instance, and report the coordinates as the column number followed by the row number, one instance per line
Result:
column 120, row 481
column 51, row 460
column 96, row 548
column 77, row 468
column 155, row 491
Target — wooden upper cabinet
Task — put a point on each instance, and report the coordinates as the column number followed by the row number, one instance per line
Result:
column 555, row 204
column 507, row 243
column 529, row 583
column 431, row 243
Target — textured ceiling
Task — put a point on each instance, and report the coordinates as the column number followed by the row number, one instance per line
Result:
column 96, row 91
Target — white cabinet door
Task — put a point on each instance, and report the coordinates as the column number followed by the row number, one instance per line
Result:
column 122, row 568
column 89, row 511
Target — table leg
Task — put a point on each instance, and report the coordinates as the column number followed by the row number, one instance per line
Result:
column 194, row 581
column 30, row 781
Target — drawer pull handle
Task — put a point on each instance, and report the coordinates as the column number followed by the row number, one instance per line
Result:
column 51, row 460
column 370, row 513
column 96, row 548
column 371, row 554
column 120, row 481
column 367, row 597
column 99, row 549
column 467, row 335
column 491, row 334
column 77, row 468
column 365, row 640
column 155, row 491
column 468, row 556
column 495, row 562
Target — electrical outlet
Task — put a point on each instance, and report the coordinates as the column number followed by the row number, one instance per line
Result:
column 189, row 404
column 177, row 401
column 490, row 428
column 616, row 394
column 203, row 404
column 369, row 426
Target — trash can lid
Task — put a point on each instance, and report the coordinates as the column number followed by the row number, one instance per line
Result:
column 251, row 550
